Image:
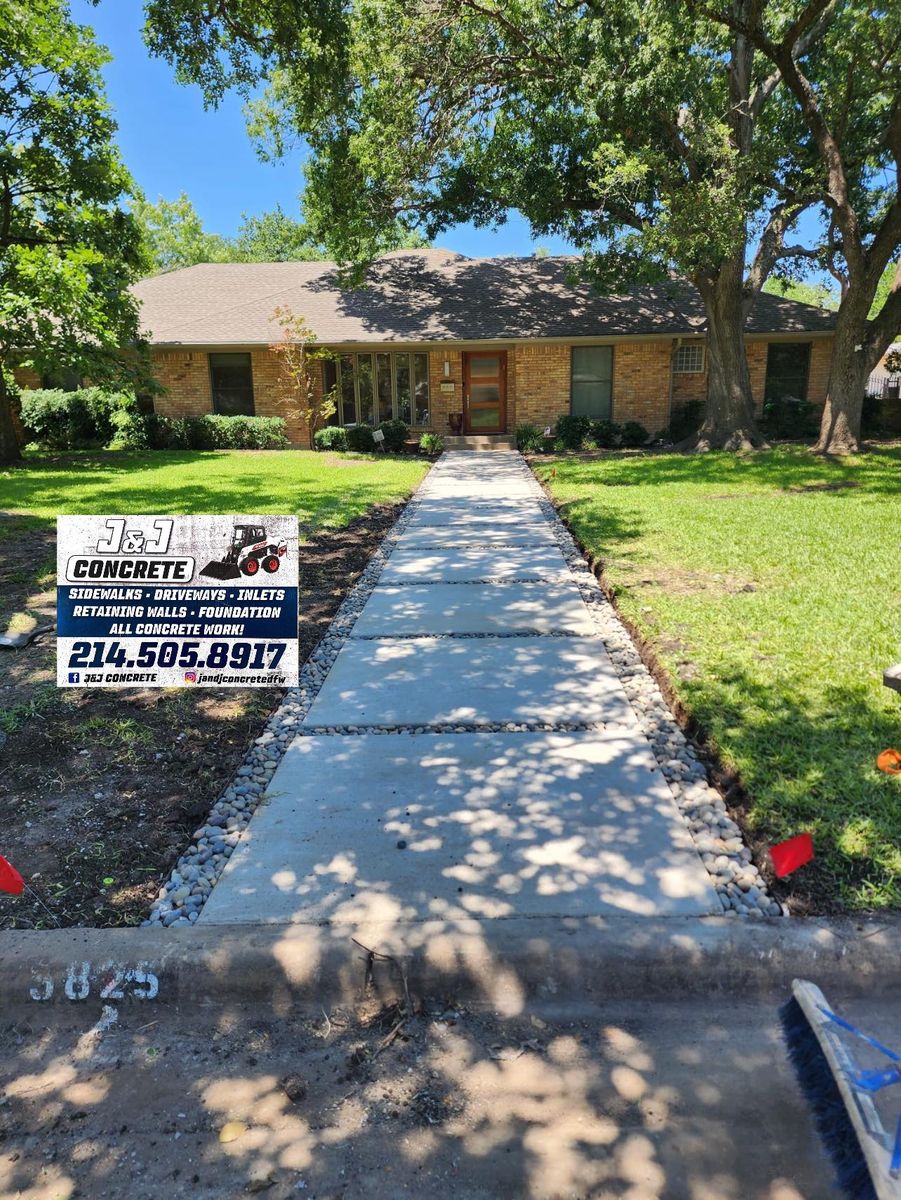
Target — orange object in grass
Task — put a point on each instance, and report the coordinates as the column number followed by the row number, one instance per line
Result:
column 890, row 762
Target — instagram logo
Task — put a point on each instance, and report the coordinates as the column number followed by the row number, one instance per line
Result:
column 190, row 676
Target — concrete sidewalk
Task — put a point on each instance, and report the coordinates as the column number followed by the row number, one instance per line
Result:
column 472, row 752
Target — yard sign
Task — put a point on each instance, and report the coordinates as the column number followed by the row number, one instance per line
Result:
column 146, row 601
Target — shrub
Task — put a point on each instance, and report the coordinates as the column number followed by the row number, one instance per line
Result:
column 431, row 443
column 359, row 437
column 634, row 434
column 572, row 431
column 395, row 432
column 529, row 438
column 685, row 420
column 151, row 431
column 333, row 437
column 871, row 420
column 605, row 433
column 62, row 420
column 789, row 417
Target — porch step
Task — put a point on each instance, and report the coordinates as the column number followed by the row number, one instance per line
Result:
column 480, row 441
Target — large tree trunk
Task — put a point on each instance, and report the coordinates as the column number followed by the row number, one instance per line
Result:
column 9, row 442
column 857, row 348
column 729, row 422
column 840, row 427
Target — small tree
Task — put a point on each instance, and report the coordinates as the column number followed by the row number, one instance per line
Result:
column 299, row 358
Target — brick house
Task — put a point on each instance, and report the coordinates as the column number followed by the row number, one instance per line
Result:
column 500, row 340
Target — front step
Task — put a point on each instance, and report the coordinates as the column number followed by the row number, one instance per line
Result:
column 480, row 441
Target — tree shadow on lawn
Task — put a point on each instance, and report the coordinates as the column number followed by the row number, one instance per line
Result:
column 787, row 768
column 788, row 764
column 879, row 471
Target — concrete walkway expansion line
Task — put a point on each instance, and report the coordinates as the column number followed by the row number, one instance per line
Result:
column 472, row 752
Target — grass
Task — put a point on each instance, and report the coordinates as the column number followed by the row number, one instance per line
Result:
column 323, row 490
column 775, row 605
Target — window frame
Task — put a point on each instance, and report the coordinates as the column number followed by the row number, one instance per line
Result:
column 374, row 355
column 698, row 347
column 231, row 354
column 572, row 358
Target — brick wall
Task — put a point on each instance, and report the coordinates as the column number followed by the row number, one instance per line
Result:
column 538, row 383
column 185, row 377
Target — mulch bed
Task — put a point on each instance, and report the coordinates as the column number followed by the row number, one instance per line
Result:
column 100, row 790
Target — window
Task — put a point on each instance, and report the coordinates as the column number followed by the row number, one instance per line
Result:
column 231, row 382
column 65, row 380
column 592, row 381
column 371, row 388
column 689, row 359
column 787, row 368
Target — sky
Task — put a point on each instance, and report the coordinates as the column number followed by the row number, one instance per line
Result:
column 171, row 144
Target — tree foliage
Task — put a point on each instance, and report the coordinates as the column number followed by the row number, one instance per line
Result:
column 299, row 359
column 68, row 247
column 653, row 142
column 840, row 62
column 173, row 236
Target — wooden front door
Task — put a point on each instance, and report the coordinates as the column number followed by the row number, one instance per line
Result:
column 485, row 391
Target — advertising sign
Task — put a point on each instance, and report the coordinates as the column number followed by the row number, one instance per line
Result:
column 145, row 601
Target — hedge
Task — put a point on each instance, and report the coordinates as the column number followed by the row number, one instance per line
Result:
column 136, row 431
column 82, row 419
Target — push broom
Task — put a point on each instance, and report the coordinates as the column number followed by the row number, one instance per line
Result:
column 867, row 1159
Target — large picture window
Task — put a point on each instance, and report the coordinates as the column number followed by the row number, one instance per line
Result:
column 592, row 381
column 231, row 382
column 371, row 388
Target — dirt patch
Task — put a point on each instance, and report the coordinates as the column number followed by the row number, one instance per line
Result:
column 101, row 790
column 683, row 582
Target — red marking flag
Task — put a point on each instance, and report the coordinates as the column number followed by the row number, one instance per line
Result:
column 790, row 855
column 10, row 879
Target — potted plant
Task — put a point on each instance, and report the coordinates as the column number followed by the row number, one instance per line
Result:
column 455, row 421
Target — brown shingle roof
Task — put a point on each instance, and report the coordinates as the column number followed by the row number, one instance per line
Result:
column 428, row 296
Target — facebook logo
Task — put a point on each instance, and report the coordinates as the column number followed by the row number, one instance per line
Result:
column 74, row 677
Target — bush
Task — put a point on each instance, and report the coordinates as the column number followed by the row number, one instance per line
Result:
column 789, row 417
column 395, row 432
column 634, row 434
column 431, row 443
column 359, row 437
column 333, row 437
column 871, row 420
column 605, row 433
column 572, row 431
column 685, row 420
column 76, row 420
column 529, row 438
column 151, row 431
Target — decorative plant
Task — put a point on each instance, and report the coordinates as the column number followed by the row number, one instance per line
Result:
column 299, row 358
column 431, row 443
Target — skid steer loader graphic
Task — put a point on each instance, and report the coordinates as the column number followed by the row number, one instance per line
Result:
column 251, row 551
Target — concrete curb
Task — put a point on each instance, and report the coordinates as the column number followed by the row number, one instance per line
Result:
column 500, row 964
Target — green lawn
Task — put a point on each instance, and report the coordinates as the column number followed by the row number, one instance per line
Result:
column 775, row 610
column 322, row 489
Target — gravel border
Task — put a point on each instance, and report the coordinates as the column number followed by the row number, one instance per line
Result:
column 739, row 885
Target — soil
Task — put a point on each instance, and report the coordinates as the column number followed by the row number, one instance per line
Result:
column 101, row 790
column 217, row 1100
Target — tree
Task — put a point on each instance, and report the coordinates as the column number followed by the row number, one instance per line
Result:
column 648, row 140
column 818, row 294
column 68, row 248
column 299, row 359
column 173, row 235
column 840, row 61
column 274, row 237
